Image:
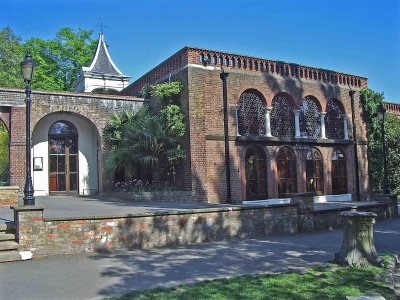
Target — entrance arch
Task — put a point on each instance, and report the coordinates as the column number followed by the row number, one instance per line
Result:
column 66, row 145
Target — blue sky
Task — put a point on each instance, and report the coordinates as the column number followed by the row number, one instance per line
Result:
column 359, row 37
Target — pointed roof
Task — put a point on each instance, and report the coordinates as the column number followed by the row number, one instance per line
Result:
column 102, row 62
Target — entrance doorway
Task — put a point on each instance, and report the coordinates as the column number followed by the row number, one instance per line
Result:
column 63, row 158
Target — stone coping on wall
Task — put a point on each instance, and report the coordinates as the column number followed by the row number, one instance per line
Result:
column 170, row 212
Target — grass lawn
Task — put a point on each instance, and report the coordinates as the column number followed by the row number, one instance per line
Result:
column 324, row 282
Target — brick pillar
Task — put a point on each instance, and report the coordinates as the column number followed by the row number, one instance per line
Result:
column 305, row 202
column 17, row 147
column 29, row 226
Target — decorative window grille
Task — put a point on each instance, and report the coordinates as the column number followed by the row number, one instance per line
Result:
column 314, row 171
column 334, row 121
column 256, row 178
column 310, row 118
column 251, row 115
column 286, row 164
column 282, row 117
column 339, row 176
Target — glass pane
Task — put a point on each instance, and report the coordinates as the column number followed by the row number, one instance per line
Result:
column 62, row 128
column 61, row 164
column 56, row 146
column 73, row 145
column 73, row 181
column 61, row 182
column 72, row 163
column 53, row 163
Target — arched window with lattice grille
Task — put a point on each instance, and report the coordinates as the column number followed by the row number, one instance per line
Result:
column 314, row 171
column 334, row 120
column 256, row 174
column 338, row 172
column 251, row 114
column 286, row 165
column 310, row 118
column 282, row 117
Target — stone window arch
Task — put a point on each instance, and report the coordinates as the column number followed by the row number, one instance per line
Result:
column 251, row 114
column 334, row 120
column 286, row 167
column 256, row 174
column 282, row 117
column 314, row 171
column 338, row 172
column 310, row 118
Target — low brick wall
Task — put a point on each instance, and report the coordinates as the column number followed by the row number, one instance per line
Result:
column 177, row 196
column 8, row 195
column 75, row 235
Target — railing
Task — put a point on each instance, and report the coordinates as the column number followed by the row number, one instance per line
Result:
column 234, row 61
column 393, row 108
column 189, row 55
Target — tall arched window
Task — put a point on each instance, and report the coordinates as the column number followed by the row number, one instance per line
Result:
column 251, row 114
column 310, row 118
column 338, row 173
column 282, row 117
column 314, row 171
column 256, row 174
column 334, row 120
column 63, row 157
column 286, row 165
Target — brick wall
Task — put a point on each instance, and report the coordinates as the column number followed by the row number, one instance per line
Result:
column 202, row 103
column 76, row 235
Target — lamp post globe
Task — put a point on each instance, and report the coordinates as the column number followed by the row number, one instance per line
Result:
column 28, row 68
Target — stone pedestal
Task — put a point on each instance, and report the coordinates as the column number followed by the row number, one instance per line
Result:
column 358, row 247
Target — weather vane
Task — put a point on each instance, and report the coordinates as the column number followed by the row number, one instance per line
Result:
column 101, row 25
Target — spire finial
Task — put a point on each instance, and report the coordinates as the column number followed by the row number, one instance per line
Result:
column 101, row 25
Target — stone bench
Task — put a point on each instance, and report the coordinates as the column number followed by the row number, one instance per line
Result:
column 332, row 198
column 266, row 202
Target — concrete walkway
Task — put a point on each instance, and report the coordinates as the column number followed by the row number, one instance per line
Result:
column 93, row 276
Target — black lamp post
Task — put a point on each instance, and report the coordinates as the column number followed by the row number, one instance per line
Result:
column 28, row 67
column 223, row 75
column 381, row 116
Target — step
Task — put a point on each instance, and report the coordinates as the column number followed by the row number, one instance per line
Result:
column 7, row 237
column 8, row 245
column 9, row 256
column 9, row 226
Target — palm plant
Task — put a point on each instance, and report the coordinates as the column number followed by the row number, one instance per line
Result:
column 142, row 141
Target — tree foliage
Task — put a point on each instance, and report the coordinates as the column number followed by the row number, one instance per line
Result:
column 59, row 59
column 11, row 55
column 4, row 154
column 166, row 92
column 371, row 101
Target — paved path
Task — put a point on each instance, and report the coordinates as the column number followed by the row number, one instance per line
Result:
column 93, row 276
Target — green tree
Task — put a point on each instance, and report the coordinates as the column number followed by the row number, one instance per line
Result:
column 166, row 92
column 11, row 55
column 371, row 101
column 59, row 59
column 4, row 155
column 392, row 137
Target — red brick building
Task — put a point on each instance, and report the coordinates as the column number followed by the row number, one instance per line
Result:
column 291, row 128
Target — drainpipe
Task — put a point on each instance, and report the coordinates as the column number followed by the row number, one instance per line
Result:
column 223, row 77
column 355, row 142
